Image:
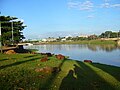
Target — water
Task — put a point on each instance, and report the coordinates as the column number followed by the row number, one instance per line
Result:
column 106, row 54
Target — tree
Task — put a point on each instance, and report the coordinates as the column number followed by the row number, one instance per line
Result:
column 119, row 33
column 6, row 30
column 110, row 34
column 69, row 38
column 114, row 35
column 102, row 35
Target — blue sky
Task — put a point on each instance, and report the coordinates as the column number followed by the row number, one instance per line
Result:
column 53, row 18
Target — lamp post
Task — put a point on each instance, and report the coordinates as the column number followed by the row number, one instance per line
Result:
column 0, row 36
column 12, row 26
column 12, row 33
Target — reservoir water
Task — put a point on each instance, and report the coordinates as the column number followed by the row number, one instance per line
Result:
column 106, row 54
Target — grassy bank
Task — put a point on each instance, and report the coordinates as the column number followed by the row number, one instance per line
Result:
column 84, row 42
column 17, row 71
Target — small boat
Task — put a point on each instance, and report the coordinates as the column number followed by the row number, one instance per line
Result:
column 28, row 44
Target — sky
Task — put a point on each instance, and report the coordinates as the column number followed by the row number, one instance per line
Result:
column 54, row 18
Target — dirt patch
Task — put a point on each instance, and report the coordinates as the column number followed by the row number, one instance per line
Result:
column 48, row 69
column 10, row 52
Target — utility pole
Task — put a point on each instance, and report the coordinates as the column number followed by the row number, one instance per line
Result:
column 12, row 26
column 0, row 36
column 12, row 33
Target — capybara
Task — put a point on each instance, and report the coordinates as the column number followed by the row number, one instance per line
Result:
column 89, row 61
column 44, row 59
column 60, row 57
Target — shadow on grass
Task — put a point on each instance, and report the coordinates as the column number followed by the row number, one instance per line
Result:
column 112, row 70
column 69, row 82
column 84, row 78
column 17, row 50
column 17, row 63
column 51, row 79
column 30, row 56
column 4, row 60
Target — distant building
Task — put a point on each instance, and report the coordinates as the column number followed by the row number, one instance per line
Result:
column 68, row 36
column 49, row 40
column 44, row 40
column 84, row 36
column 64, row 39
column 93, row 37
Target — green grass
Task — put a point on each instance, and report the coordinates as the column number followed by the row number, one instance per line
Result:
column 17, row 71
column 85, row 42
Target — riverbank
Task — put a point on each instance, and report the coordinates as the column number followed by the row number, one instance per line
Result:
column 18, row 71
column 97, row 42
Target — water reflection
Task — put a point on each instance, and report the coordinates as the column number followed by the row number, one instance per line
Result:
column 107, row 48
column 108, row 54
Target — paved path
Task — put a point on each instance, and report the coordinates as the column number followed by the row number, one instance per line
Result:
column 8, row 48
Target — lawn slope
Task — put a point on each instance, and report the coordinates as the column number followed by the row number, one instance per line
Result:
column 17, row 71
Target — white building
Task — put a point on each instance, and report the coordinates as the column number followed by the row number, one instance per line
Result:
column 83, row 36
column 44, row 40
column 49, row 40
column 64, row 39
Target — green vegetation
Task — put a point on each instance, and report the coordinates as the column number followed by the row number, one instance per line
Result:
column 110, row 34
column 106, row 34
column 17, row 71
column 85, row 42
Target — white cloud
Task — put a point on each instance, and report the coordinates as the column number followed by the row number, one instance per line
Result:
column 73, row 4
column 87, row 5
column 105, row 5
column 116, row 5
column 108, row 5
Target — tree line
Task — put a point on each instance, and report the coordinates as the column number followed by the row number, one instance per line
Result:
column 106, row 34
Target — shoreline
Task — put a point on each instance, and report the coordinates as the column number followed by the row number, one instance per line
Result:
column 96, row 42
